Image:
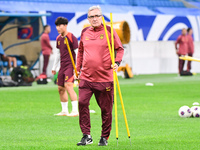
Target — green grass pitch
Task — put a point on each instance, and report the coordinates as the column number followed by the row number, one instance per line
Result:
column 27, row 118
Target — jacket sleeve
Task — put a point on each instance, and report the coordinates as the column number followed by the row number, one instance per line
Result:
column 79, row 56
column 56, row 60
column 119, row 50
column 177, row 42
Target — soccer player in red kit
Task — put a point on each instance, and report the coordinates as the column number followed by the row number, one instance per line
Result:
column 96, row 74
column 182, row 50
column 190, row 47
column 65, row 76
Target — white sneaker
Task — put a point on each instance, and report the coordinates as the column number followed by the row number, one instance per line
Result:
column 62, row 114
column 73, row 114
column 11, row 69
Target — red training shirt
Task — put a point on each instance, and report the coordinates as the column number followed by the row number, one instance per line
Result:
column 45, row 44
column 65, row 60
column 182, row 41
column 93, row 58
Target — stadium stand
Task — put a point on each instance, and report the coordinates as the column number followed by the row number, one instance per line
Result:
column 4, row 64
column 110, row 5
column 148, row 7
column 147, row 3
column 192, row 0
column 157, row 3
column 114, row 2
column 195, row 3
column 178, row 11
column 142, row 7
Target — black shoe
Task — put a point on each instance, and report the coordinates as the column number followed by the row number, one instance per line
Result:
column 86, row 139
column 103, row 142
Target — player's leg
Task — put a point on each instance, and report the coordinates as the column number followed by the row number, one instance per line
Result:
column 45, row 64
column 64, row 101
column 189, row 63
column 10, row 61
column 104, row 96
column 14, row 60
column 181, row 65
column 63, row 95
column 85, row 93
column 72, row 94
column 69, row 82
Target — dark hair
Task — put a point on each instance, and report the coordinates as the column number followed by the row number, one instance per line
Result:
column 46, row 26
column 189, row 29
column 61, row 20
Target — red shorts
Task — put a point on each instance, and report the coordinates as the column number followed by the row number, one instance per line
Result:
column 65, row 76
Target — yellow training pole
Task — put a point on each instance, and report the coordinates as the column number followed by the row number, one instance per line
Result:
column 123, row 109
column 70, row 54
column 126, row 122
column 114, row 81
column 189, row 58
column 114, row 84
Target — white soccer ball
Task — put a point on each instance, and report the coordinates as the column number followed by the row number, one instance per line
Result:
column 193, row 108
column 185, row 112
column 195, row 111
column 195, row 103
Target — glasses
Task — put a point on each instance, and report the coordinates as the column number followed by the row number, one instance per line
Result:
column 95, row 16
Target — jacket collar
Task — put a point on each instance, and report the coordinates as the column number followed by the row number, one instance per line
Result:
column 99, row 28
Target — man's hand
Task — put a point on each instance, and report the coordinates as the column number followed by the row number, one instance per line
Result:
column 115, row 67
column 53, row 72
column 75, row 77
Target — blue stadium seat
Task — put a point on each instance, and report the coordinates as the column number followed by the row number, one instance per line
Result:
column 1, row 62
column 1, row 68
column 114, row 2
column 5, row 63
column 157, row 3
column 192, row 0
column 147, row 3
column 19, row 63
